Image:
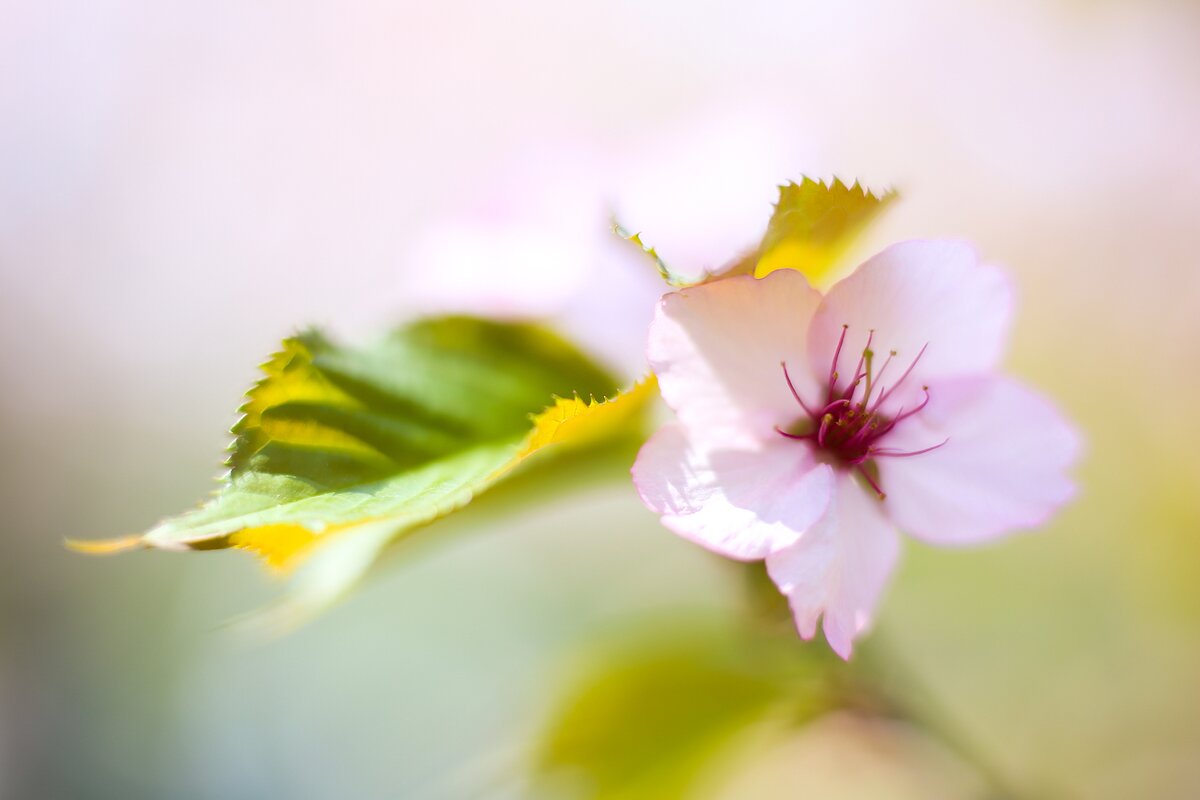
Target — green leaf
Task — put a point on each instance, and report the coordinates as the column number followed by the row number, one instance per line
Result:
column 650, row 719
column 342, row 450
column 812, row 227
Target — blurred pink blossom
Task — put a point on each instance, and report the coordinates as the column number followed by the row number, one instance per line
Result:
column 810, row 428
column 537, row 242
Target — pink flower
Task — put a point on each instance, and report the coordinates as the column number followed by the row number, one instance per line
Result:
column 810, row 428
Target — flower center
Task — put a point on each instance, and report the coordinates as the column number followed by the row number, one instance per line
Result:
column 847, row 427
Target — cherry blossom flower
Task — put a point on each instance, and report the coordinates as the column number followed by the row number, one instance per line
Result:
column 810, row 428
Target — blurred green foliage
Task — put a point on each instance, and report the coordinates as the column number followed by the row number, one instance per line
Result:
column 408, row 427
column 650, row 715
column 341, row 449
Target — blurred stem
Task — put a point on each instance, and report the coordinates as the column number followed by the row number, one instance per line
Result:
column 906, row 697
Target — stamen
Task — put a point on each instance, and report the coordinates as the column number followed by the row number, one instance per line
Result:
column 907, row 372
column 867, row 349
column 878, row 376
column 859, row 374
column 888, row 428
column 839, row 402
column 903, row 415
column 891, row 355
column 902, row 454
column 869, row 355
column 848, row 430
column 875, row 405
column 868, row 432
column 795, row 394
column 866, row 475
column 849, row 393
column 824, row 429
column 837, row 354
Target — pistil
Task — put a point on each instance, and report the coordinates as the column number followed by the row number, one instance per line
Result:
column 848, row 430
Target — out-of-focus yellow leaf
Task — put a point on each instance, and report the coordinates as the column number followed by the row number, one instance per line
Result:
column 812, row 227
column 650, row 718
column 575, row 422
column 106, row 547
column 279, row 545
column 814, row 224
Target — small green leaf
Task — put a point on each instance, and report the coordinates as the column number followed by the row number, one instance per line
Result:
column 340, row 450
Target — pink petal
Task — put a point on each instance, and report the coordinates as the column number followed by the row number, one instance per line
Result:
column 912, row 294
column 743, row 504
column 717, row 350
column 839, row 567
column 1004, row 466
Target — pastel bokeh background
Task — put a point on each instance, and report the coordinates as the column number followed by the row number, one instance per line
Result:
column 183, row 184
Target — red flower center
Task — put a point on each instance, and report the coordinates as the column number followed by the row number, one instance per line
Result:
column 848, row 426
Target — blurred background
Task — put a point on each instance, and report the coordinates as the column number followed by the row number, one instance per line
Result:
column 182, row 184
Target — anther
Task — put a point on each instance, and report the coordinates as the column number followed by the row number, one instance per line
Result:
column 867, row 476
column 824, row 429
